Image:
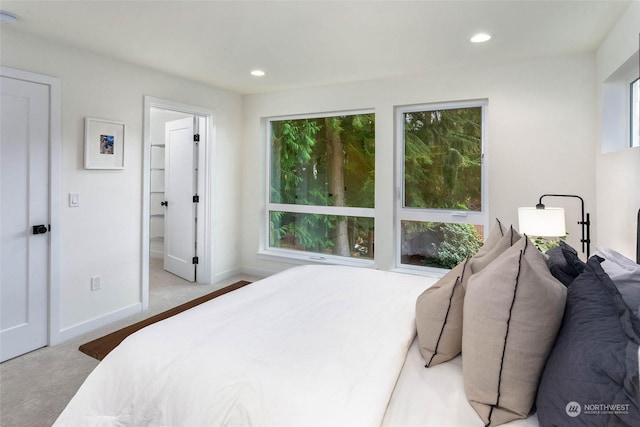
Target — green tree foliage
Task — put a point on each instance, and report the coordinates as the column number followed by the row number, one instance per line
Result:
column 292, row 147
column 459, row 241
column 443, row 157
column 322, row 162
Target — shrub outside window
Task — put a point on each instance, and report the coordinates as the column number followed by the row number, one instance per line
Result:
column 321, row 186
column 441, row 210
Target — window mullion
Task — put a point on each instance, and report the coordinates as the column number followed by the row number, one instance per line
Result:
column 322, row 210
column 460, row 217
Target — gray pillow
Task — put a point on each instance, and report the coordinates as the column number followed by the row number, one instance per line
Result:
column 624, row 273
column 591, row 376
column 564, row 263
column 439, row 307
column 439, row 316
column 512, row 313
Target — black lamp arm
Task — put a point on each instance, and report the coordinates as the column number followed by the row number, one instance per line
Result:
column 585, row 222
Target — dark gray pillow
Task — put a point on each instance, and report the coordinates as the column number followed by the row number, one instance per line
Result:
column 591, row 375
column 624, row 273
column 564, row 263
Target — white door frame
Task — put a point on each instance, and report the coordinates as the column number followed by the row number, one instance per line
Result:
column 206, row 150
column 55, row 190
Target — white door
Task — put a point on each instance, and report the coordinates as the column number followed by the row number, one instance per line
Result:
column 24, row 203
column 180, row 188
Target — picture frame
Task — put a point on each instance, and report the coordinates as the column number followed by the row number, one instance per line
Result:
column 103, row 144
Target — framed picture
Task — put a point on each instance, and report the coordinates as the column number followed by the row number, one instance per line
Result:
column 103, row 144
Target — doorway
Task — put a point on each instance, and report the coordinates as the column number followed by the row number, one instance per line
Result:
column 174, row 191
column 178, row 143
column 30, row 162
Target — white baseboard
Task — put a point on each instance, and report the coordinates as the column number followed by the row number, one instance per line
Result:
column 97, row 322
column 226, row 275
column 256, row 272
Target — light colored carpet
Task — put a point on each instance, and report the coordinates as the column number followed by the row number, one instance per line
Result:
column 36, row 387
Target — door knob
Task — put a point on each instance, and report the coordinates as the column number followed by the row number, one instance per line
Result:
column 40, row 229
column 165, row 203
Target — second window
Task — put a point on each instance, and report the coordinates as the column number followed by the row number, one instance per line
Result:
column 441, row 212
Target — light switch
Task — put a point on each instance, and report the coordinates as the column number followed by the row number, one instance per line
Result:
column 74, row 200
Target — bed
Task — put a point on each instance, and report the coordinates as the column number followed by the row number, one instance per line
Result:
column 311, row 346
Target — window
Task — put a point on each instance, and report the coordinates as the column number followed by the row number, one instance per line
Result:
column 620, row 109
column 441, row 210
column 634, row 120
column 321, row 186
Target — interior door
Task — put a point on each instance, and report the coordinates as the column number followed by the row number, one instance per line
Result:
column 180, row 188
column 24, row 216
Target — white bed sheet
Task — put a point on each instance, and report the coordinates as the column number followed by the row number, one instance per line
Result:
column 434, row 396
column 275, row 353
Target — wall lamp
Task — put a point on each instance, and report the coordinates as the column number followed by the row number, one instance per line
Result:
column 549, row 222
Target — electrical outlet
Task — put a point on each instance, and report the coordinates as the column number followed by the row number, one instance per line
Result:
column 96, row 282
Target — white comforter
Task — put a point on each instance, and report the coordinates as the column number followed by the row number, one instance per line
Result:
column 312, row 346
column 426, row 397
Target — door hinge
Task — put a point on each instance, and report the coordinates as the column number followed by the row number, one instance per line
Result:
column 196, row 199
column 195, row 260
column 196, row 137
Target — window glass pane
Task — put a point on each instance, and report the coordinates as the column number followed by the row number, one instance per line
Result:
column 443, row 159
column 635, row 113
column 439, row 244
column 324, row 234
column 326, row 161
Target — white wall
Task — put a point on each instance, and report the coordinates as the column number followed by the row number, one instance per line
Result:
column 618, row 172
column 103, row 235
column 541, row 136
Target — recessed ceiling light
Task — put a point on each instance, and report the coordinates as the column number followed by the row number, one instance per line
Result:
column 7, row 17
column 257, row 73
column 480, row 38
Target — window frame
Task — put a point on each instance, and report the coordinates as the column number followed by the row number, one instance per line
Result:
column 616, row 108
column 403, row 213
column 292, row 255
column 634, row 112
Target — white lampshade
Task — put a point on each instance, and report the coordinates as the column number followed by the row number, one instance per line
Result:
column 547, row 222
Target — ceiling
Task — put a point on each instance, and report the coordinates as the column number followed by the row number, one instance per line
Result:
column 309, row 43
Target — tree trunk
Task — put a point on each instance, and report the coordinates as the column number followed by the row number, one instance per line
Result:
column 336, row 183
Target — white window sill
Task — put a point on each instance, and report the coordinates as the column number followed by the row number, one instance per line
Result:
column 301, row 258
column 421, row 271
